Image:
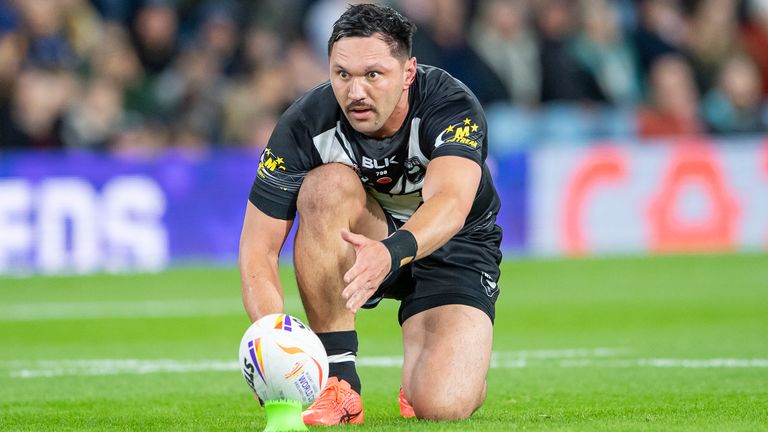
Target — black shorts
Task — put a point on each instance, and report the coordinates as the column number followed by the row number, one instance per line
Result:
column 463, row 271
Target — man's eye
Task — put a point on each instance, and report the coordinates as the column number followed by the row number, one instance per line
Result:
column 373, row 75
column 343, row 75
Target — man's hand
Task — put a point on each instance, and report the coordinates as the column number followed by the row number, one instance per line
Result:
column 372, row 265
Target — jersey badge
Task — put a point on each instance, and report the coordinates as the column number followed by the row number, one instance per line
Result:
column 414, row 170
column 270, row 162
column 464, row 132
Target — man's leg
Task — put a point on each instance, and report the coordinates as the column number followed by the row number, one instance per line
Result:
column 447, row 354
column 332, row 198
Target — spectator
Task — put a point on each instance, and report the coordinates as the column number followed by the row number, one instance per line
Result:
column 191, row 93
column 441, row 41
column 711, row 38
column 218, row 32
column 605, row 55
column 115, row 59
column 199, row 72
column 563, row 78
column 154, row 34
column 261, row 47
column 83, row 25
column 754, row 38
column 305, row 71
column 249, row 101
column 320, row 17
column 735, row 105
column 673, row 107
column 254, row 102
column 47, row 43
column 94, row 119
column 11, row 53
column 33, row 119
column 117, row 12
column 504, row 39
column 660, row 31
column 140, row 138
column 284, row 20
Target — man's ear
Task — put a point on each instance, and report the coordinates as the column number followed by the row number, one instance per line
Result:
column 410, row 72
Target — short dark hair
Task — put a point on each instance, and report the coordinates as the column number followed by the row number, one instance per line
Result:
column 365, row 20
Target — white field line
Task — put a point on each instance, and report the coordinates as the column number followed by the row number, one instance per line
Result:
column 118, row 309
column 714, row 363
column 124, row 309
column 500, row 360
column 47, row 369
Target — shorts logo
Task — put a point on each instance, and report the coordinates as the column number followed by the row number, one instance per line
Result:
column 464, row 132
column 489, row 283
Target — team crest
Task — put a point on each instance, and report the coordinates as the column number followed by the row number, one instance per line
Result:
column 489, row 283
column 414, row 170
column 465, row 132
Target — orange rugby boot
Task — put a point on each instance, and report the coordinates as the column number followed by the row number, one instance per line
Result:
column 337, row 404
column 406, row 410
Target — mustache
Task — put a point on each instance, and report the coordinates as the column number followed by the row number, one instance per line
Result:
column 359, row 104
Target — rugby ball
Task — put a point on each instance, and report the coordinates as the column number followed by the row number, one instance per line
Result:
column 282, row 358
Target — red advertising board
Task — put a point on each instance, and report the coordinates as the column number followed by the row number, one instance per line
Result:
column 691, row 195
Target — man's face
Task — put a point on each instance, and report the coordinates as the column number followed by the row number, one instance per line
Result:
column 371, row 85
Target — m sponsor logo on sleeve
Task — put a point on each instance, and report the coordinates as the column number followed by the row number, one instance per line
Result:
column 465, row 132
column 270, row 162
column 273, row 171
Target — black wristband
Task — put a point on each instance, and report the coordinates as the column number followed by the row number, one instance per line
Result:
column 402, row 247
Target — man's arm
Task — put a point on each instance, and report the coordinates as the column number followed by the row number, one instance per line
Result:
column 260, row 243
column 450, row 186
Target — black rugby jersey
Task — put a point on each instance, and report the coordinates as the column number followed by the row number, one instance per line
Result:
column 444, row 118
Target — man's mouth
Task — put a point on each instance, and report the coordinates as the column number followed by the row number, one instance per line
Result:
column 359, row 112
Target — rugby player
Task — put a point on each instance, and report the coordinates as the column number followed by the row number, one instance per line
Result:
column 385, row 166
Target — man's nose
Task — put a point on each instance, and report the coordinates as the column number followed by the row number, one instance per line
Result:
column 356, row 89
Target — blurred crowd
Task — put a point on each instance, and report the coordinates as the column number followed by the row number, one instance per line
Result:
column 136, row 77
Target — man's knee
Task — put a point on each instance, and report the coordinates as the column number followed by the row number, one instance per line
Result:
column 434, row 366
column 327, row 188
column 442, row 408
column 429, row 404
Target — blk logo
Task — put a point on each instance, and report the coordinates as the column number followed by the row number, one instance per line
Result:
column 378, row 164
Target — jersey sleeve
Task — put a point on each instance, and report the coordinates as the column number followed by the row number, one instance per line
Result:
column 456, row 127
column 282, row 167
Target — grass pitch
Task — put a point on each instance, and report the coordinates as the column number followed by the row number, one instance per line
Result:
column 665, row 343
